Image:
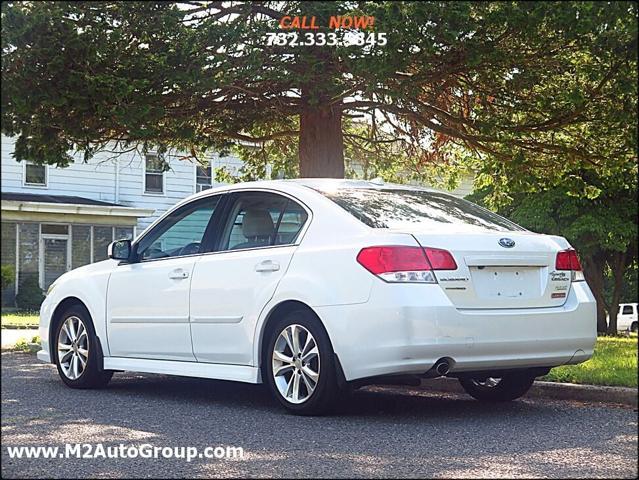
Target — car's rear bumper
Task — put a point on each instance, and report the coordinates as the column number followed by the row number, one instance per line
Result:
column 407, row 328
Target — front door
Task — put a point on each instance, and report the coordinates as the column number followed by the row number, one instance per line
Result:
column 232, row 285
column 55, row 259
column 148, row 299
column 55, row 253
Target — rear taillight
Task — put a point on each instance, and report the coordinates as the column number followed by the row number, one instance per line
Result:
column 440, row 259
column 405, row 264
column 568, row 260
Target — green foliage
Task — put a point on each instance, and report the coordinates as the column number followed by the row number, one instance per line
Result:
column 30, row 295
column 22, row 345
column 629, row 289
column 7, row 275
column 535, row 88
column 607, row 222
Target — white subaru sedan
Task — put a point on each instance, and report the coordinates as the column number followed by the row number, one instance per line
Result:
column 316, row 286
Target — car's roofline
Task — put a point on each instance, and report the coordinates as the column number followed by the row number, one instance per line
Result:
column 317, row 184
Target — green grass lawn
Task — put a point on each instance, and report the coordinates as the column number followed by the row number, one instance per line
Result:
column 21, row 320
column 614, row 363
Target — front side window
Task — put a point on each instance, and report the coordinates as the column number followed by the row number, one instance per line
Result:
column 398, row 209
column 260, row 219
column 154, row 173
column 627, row 310
column 203, row 177
column 180, row 233
column 35, row 174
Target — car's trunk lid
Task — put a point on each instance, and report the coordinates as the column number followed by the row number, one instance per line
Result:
column 491, row 274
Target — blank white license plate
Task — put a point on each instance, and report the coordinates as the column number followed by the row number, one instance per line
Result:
column 506, row 282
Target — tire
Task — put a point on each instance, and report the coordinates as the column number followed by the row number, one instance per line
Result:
column 633, row 327
column 504, row 389
column 320, row 398
column 81, row 365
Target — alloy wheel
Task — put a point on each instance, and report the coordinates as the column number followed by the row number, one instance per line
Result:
column 296, row 364
column 73, row 347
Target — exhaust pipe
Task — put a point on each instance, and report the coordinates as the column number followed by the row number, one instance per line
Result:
column 440, row 369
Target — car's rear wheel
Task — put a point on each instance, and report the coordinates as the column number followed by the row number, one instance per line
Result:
column 633, row 327
column 77, row 354
column 498, row 389
column 299, row 366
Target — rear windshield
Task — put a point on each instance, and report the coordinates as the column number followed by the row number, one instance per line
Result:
column 397, row 209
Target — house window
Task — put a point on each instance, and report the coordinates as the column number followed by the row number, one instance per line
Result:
column 102, row 236
column 154, row 174
column 35, row 174
column 202, row 177
column 123, row 232
column 80, row 245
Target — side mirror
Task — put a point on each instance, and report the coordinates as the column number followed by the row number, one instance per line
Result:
column 119, row 250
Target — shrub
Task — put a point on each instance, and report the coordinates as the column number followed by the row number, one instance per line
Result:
column 7, row 276
column 29, row 296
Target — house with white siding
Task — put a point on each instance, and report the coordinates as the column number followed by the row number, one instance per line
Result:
column 55, row 219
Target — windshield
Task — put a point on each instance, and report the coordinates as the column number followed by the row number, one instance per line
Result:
column 401, row 209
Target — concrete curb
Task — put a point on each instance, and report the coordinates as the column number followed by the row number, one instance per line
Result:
column 556, row 391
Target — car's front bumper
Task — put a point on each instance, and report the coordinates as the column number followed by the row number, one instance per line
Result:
column 46, row 312
column 407, row 328
column 44, row 356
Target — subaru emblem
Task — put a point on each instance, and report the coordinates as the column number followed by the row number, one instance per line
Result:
column 507, row 242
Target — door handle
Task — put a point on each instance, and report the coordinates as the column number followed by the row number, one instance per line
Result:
column 267, row 266
column 178, row 274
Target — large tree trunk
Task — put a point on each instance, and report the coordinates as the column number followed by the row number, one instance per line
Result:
column 321, row 146
column 594, row 272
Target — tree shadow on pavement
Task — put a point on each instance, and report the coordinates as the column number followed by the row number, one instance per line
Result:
column 375, row 432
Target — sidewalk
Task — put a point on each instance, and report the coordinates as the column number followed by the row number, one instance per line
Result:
column 11, row 336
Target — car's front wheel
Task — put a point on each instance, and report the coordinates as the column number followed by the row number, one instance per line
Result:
column 76, row 351
column 298, row 364
column 502, row 389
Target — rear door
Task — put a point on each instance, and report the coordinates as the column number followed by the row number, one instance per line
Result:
column 232, row 285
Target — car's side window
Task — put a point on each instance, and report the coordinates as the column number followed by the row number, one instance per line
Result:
column 627, row 310
column 180, row 233
column 290, row 224
column 261, row 219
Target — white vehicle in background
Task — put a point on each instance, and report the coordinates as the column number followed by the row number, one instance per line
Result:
column 627, row 317
column 313, row 286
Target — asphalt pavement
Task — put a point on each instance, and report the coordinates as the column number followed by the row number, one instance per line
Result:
column 377, row 432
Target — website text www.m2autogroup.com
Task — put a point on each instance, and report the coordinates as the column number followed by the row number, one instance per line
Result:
column 101, row 451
